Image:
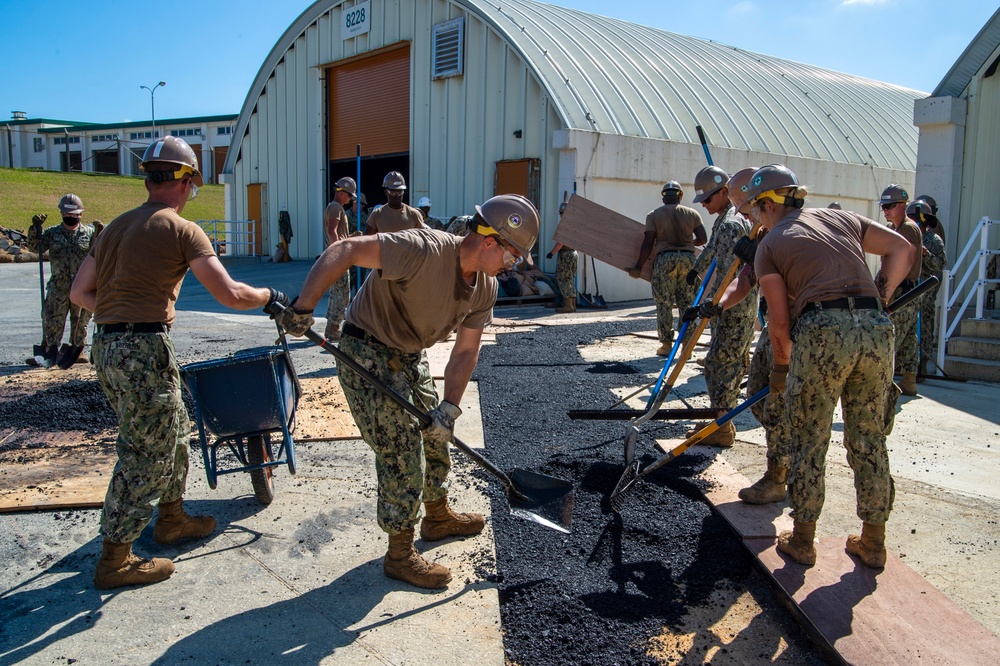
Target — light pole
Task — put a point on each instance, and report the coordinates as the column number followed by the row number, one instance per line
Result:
column 152, row 106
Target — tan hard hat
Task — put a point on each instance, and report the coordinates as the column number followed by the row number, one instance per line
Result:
column 709, row 180
column 513, row 218
column 738, row 188
column 348, row 185
column 173, row 150
column 394, row 181
column 71, row 204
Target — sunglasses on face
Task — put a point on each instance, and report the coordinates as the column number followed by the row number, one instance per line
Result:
column 890, row 206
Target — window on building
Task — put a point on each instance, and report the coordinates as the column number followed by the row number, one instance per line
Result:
column 224, row 130
column 185, row 132
column 143, row 135
column 104, row 137
column 448, row 42
column 61, row 140
column 39, row 144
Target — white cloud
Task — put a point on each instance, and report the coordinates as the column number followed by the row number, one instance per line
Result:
column 865, row 2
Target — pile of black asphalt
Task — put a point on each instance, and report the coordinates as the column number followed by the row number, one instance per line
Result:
column 599, row 594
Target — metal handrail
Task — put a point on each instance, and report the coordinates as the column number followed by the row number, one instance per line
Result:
column 978, row 288
column 234, row 238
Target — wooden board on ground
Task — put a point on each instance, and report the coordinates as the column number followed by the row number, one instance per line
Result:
column 603, row 234
column 323, row 412
column 73, row 481
column 893, row 616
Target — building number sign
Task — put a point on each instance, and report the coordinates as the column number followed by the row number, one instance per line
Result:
column 356, row 20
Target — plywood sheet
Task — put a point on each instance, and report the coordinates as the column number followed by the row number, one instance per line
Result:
column 70, row 481
column 603, row 234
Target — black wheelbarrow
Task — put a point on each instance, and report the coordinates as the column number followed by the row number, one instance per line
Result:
column 242, row 400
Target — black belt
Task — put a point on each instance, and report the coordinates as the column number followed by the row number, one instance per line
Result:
column 360, row 333
column 142, row 327
column 848, row 303
column 675, row 251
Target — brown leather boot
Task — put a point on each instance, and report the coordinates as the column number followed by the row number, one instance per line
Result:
column 403, row 562
column 440, row 522
column 908, row 385
column 798, row 544
column 664, row 349
column 119, row 567
column 869, row 546
column 725, row 436
column 567, row 307
column 772, row 487
column 173, row 525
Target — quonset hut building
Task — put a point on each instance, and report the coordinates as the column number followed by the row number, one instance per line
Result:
column 469, row 98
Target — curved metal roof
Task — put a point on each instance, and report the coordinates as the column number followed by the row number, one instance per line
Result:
column 623, row 78
column 971, row 61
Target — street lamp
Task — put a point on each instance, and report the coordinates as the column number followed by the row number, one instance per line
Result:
column 152, row 107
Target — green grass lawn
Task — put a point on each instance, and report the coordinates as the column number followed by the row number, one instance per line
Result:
column 25, row 192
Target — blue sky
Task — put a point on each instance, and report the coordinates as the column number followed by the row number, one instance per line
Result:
column 85, row 61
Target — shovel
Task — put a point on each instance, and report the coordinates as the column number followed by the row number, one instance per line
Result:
column 38, row 351
column 542, row 499
column 597, row 299
column 586, row 300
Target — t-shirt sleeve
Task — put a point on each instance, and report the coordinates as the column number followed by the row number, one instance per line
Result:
column 401, row 259
column 195, row 243
column 764, row 261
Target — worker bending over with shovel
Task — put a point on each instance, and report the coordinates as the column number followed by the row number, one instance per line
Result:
column 130, row 281
column 424, row 285
column 842, row 351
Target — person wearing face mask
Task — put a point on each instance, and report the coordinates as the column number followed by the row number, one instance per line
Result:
column 394, row 215
column 424, row 285
column 67, row 245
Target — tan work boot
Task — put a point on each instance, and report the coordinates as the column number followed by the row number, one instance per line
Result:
column 440, row 522
column 700, row 361
column 173, row 525
column 119, row 567
column 869, row 546
column 798, row 544
column 403, row 562
column 664, row 349
column 568, row 306
column 772, row 487
column 725, row 436
column 908, row 385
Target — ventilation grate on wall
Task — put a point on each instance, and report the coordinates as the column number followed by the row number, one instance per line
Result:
column 447, row 58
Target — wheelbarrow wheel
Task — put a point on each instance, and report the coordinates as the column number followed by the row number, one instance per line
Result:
column 258, row 453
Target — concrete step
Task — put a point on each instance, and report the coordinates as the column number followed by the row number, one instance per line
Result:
column 980, row 328
column 987, row 349
column 972, row 368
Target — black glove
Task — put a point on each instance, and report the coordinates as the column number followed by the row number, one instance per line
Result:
column 548, row 256
column 276, row 298
column 39, row 219
column 745, row 250
column 779, row 373
column 294, row 321
column 692, row 277
column 690, row 314
column 708, row 309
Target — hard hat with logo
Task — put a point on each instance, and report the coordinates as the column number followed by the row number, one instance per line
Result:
column 672, row 187
column 71, row 205
column 893, row 194
column 173, row 150
column 929, row 199
column 738, row 188
column 709, row 180
column 769, row 178
column 425, row 202
column 348, row 185
column 394, row 181
column 513, row 218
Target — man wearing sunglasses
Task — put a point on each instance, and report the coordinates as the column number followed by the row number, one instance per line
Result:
column 424, row 285
column 893, row 202
column 130, row 281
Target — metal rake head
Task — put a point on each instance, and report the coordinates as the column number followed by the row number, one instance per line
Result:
column 629, row 478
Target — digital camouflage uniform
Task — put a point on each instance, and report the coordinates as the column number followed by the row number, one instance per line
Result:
column 141, row 379
column 669, row 284
column 566, row 267
column 67, row 250
column 732, row 331
column 905, row 321
column 337, row 302
column 772, row 411
column 932, row 264
column 845, row 356
column 400, row 449
column 460, row 225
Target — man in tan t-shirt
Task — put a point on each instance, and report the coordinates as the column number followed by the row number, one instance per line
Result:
column 426, row 283
column 130, row 281
column 335, row 227
column 674, row 230
column 395, row 215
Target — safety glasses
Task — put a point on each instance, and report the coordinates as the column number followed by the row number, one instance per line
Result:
column 890, row 206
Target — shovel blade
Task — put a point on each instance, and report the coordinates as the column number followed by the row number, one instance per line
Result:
column 543, row 499
column 629, row 478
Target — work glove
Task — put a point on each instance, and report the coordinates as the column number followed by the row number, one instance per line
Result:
column 294, row 321
column 779, row 373
column 692, row 277
column 634, row 272
column 745, row 250
column 706, row 310
column 548, row 256
column 39, row 218
column 276, row 297
column 442, row 428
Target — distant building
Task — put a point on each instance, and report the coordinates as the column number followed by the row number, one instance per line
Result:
column 115, row 148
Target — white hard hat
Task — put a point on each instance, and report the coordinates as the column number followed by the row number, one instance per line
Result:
column 424, row 202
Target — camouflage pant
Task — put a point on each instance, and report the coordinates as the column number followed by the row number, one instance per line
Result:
column 729, row 352
column 928, row 325
column 772, row 410
column 409, row 468
column 841, row 355
column 566, row 267
column 905, row 322
column 57, row 304
column 670, row 288
column 141, row 379
column 339, row 299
